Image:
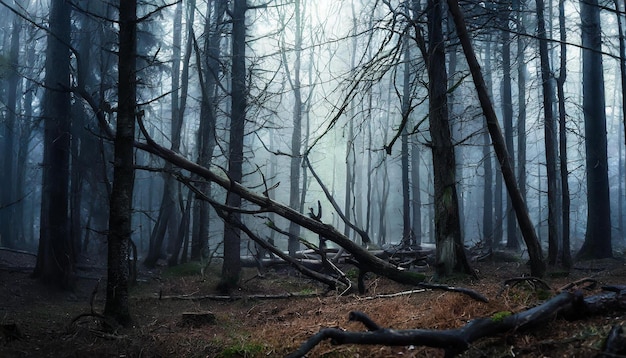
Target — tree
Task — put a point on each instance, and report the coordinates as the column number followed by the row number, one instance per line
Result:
column 549, row 135
column 169, row 216
column 597, row 242
column 116, row 306
column 296, row 136
column 518, row 6
column 232, row 240
column 55, row 256
column 8, row 197
column 407, row 234
column 537, row 266
column 507, row 116
column 208, row 71
column 566, row 256
column 488, row 212
column 450, row 253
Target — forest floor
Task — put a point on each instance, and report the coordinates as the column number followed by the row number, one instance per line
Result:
column 257, row 326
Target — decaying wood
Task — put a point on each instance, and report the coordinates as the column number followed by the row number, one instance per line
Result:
column 457, row 340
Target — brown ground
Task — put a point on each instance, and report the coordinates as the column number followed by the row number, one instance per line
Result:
column 275, row 327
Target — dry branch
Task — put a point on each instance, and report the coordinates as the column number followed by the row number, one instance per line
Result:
column 457, row 340
column 230, row 298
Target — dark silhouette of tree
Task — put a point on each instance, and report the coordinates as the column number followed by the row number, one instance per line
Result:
column 231, row 268
column 169, row 214
column 209, row 71
column 519, row 8
column 488, row 189
column 296, row 136
column 55, row 256
column 116, row 305
column 598, row 235
column 507, row 114
column 566, row 256
column 550, row 137
column 9, row 131
column 450, row 253
column 407, row 234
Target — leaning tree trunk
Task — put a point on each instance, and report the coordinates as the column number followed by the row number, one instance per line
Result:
column 537, row 265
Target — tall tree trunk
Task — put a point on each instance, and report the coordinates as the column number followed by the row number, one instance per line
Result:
column 7, row 194
column 450, row 254
column 407, row 235
column 296, row 136
column 598, row 235
column 55, row 257
column 550, row 137
column 168, row 219
column 488, row 212
column 416, row 202
column 566, row 256
column 620, row 8
column 120, row 229
column 231, row 268
column 518, row 5
column 507, row 117
column 208, row 72
column 537, row 266
column 178, row 117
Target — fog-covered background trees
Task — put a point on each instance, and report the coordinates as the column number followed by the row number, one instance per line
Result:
column 365, row 106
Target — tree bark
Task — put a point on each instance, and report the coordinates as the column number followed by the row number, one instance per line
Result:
column 598, row 235
column 120, row 229
column 231, row 268
column 566, row 256
column 55, row 257
column 450, row 253
column 507, row 117
column 550, row 137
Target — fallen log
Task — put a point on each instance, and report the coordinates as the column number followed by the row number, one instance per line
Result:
column 457, row 340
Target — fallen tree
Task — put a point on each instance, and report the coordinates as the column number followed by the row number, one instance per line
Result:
column 367, row 261
column 570, row 305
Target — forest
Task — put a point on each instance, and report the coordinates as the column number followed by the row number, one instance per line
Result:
column 168, row 152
